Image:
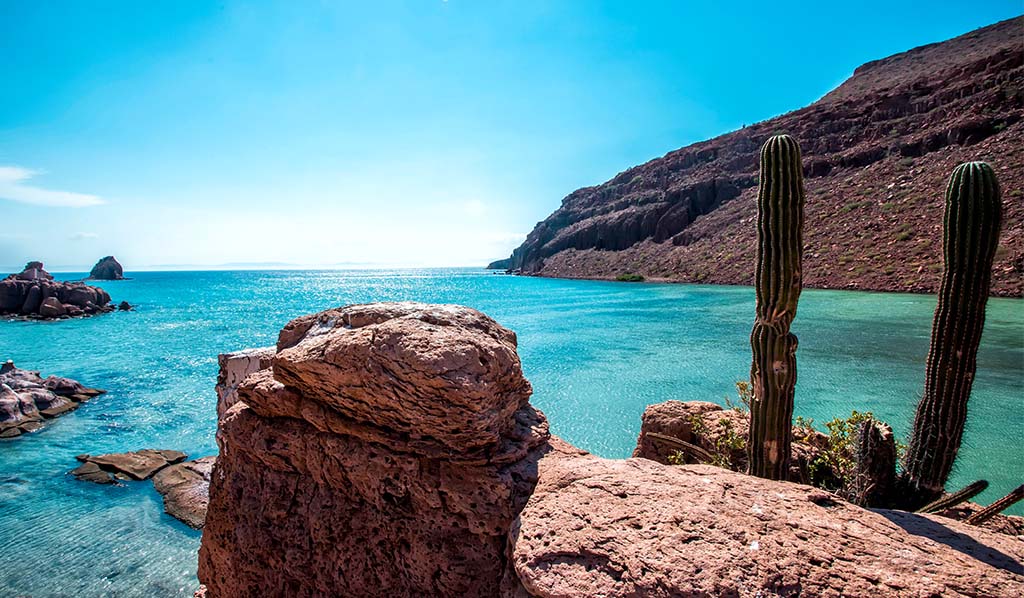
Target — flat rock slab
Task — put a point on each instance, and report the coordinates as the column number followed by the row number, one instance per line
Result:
column 135, row 465
column 596, row 527
column 186, row 490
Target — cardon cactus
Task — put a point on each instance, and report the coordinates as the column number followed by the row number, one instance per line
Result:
column 780, row 220
column 972, row 221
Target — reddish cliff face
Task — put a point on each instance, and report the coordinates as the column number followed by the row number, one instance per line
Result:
column 877, row 153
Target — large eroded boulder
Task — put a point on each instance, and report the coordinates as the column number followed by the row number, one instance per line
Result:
column 597, row 527
column 387, row 451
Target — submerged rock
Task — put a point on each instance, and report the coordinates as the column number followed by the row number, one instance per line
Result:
column 34, row 294
column 185, row 488
column 107, row 269
column 26, row 399
column 134, row 465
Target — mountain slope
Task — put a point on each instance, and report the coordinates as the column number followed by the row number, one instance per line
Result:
column 877, row 153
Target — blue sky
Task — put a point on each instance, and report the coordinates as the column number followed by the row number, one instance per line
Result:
column 417, row 133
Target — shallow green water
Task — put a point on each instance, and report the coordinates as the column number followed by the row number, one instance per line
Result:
column 597, row 353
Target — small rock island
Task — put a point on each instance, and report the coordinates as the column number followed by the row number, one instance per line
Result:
column 107, row 268
column 34, row 294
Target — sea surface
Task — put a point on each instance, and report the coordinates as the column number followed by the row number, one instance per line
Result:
column 597, row 353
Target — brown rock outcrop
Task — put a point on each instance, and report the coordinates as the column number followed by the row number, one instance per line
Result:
column 877, row 150
column 26, row 399
column 720, row 432
column 34, row 294
column 386, row 452
column 596, row 527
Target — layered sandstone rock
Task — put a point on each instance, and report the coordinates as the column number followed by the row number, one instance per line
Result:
column 596, row 527
column 27, row 399
column 133, row 465
column 387, row 451
column 34, row 294
column 107, row 268
column 186, row 488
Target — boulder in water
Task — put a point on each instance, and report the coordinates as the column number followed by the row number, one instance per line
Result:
column 107, row 269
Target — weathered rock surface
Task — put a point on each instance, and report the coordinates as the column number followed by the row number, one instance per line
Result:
column 34, row 294
column 185, row 488
column 133, row 465
column 877, row 150
column 391, row 450
column 596, row 527
column 234, row 367
column 26, row 399
column 386, row 452
column 107, row 269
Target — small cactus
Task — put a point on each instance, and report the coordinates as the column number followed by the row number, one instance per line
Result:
column 951, row 500
column 971, row 233
column 780, row 219
column 1015, row 496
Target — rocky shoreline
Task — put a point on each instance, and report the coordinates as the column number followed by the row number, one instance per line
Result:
column 27, row 400
column 33, row 294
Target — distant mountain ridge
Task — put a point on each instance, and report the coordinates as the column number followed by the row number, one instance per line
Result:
column 877, row 154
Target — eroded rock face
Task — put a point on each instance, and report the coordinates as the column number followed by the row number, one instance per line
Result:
column 107, row 269
column 597, row 527
column 34, row 294
column 27, row 399
column 386, row 451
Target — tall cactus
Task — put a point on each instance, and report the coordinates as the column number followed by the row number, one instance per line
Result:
column 972, row 221
column 780, row 220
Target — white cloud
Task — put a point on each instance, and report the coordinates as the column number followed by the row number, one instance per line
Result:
column 83, row 236
column 13, row 188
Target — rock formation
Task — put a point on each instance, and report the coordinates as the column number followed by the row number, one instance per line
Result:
column 877, row 153
column 596, row 527
column 107, row 269
column 26, row 399
column 390, row 449
column 386, row 451
column 34, row 294
column 133, row 465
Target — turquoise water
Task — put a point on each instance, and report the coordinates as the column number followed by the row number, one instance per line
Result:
column 597, row 353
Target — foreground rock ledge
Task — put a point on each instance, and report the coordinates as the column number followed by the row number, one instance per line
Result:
column 390, row 450
column 596, row 527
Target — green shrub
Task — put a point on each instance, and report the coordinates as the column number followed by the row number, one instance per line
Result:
column 629, row 278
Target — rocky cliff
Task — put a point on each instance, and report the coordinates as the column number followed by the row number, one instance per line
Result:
column 391, row 450
column 877, row 153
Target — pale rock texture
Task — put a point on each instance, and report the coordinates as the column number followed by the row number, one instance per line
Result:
column 234, row 367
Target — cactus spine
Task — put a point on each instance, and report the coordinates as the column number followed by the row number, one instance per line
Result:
column 780, row 220
column 971, row 233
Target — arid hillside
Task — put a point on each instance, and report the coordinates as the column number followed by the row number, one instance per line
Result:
column 877, row 153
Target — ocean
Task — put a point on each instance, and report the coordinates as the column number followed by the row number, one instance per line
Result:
column 597, row 353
